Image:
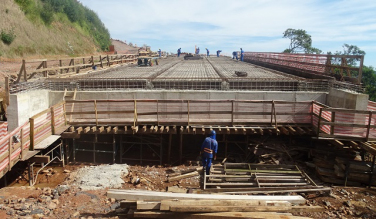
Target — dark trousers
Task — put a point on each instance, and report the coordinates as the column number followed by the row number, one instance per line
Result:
column 206, row 164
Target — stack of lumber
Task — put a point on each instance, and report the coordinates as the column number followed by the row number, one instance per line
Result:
column 338, row 167
column 240, row 177
column 171, row 205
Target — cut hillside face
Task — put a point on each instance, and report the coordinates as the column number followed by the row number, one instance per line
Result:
column 34, row 39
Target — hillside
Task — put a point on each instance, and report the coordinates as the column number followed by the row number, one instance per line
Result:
column 46, row 28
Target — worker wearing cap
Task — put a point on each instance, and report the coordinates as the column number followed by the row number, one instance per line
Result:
column 179, row 52
column 241, row 54
column 198, row 50
column 209, row 151
column 159, row 53
column 207, row 52
column 218, row 51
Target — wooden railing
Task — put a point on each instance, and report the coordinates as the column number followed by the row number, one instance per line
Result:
column 16, row 144
column 347, row 124
column 46, row 67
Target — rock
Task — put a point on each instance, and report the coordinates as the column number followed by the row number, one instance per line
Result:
column 66, row 171
column 17, row 207
column 327, row 203
column 51, row 206
column 76, row 214
column 112, row 200
column 45, row 171
column 62, row 188
column 348, row 203
column 56, row 197
column 37, row 216
column 94, row 200
column 10, row 212
column 115, row 206
column 37, row 211
column 56, row 201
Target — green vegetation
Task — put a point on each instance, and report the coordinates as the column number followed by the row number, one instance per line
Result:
column 7, row 36
column 50, row 10
column 300, row 41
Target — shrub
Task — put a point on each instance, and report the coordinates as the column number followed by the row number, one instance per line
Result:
column 47, row 14
column 7, row 36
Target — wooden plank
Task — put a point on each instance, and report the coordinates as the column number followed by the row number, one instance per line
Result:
column 157, row 196
column 183, row 208
column 166, row 204
column 188, row 175
column 128, row 204
column 220, row 215
column 142, row 205
column 40, row 159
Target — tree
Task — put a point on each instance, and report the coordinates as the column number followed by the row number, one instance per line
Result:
column 369, row 81
column 300, row 41
column 348, row 50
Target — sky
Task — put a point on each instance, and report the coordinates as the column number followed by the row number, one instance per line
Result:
column 228, row 25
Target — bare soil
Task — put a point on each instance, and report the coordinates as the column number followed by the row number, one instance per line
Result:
column 343, row 202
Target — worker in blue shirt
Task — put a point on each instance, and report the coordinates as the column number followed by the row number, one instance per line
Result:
column 241, row 54
column 179, row 52
column 218, row 51
column 235, row 55
column 159, row 53
column 209, row 151
column 207, row 52
column 198, row 50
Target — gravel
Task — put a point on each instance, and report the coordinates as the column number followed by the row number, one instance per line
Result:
column 100, row 177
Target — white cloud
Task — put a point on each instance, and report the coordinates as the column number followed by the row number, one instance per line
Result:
column 256, row 25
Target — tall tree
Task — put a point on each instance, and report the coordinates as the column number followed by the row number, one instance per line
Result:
column 300, row 41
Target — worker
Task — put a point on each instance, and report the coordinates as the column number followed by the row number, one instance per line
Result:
column 207, row 52
column 218, row 51
column 198, row 50
column 209, row 151
column 159, row 53
column 179, row 52
column 235, row 55
column 241, row 54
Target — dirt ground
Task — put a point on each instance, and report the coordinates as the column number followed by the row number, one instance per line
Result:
column 53, row 197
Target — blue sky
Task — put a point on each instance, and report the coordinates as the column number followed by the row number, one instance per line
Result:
column 254, row 25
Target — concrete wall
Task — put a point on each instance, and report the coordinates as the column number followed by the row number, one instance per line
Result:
column 345, row 99
column 25, row 105
column 56, row 96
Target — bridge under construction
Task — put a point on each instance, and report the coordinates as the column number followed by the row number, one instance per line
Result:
column 122, row 112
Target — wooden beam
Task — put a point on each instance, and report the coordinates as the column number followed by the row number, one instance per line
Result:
column 194, row 130
column 87, row 129
column 261, row 132
column 228, row 130
column 291, row 130
column 155, row 128
column 79, row 130
column 101, row 129
column 108, row 129
column 284, row 130
column 167, row 129
column 161, row 129
column 142, row 205
column 115, row 129
column 187, row 128
column 300, row 131
column 71, row 129
column 94, row 128
column 337, row 143
column 144, row 128
column 39, row 159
